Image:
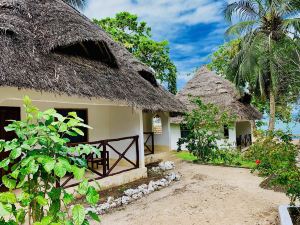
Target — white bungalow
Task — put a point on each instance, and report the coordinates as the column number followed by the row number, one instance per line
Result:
column 60, row 59
column 211, row 88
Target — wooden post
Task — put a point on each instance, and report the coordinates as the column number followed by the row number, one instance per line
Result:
column 104, row 158
column 137, row 152
column 152, row 134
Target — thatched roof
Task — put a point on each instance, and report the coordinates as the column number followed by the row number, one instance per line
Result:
column 48, row 46
column 211, row 88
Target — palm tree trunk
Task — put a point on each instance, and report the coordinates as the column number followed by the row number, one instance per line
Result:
column 272, row 112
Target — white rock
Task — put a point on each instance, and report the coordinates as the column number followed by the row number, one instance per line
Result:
column 110, row 200
column 113, row 205
column 125, row 200
column 140, row 194
column 130, row 192
column 118, row 201
column 135, row 196
column 104, row 206
column 143, row 186
column 168, row 165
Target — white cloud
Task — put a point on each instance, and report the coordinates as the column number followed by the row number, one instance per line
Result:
column 162, row 15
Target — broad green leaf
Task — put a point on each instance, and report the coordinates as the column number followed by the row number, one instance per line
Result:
column 8, row 197
column 8, row 182
column 48, row 164
column 60, row 170
column 65, row 163
column 15, row 153
column 20, row 217
column 41, row 200
column 83, row 187
column 4, row 163
column 92, row 196
column 63, row 127
column 78, row 172
column 47, row 220
column 26, row 100
column 78, row 214
column 68, row 198
column 5, row 209
column 15, row 174
column 94, row 216
column 78, row 131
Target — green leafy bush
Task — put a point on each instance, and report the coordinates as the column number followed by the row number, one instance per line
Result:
column 276, row 159
column 38, row 157
column 204, row 124
column 272, row 151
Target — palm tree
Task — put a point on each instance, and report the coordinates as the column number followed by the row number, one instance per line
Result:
column 268, row 29
column 80, row 4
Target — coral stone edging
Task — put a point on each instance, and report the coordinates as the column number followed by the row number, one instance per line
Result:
column 284, row 215
column 143, row 190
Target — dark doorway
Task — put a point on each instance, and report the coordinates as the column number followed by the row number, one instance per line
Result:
column 6, row 114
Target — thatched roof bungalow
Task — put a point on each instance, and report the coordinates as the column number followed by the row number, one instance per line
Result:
column 211, row 88
column 57, row 56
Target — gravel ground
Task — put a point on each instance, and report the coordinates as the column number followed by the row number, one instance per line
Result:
column 205, row 195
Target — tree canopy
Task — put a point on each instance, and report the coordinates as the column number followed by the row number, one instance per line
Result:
column 267, row 61
column 136, row 36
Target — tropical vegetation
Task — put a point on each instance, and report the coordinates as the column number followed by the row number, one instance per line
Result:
column 267, row 60
column 37, row 159
column 136, row 36
column 204, row 124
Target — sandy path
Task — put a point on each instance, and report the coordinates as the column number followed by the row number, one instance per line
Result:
column 205, row 195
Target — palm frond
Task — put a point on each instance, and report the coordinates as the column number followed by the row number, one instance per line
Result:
column 79, row 4
column 291, row 24
column 244, row 9
column 241, row 27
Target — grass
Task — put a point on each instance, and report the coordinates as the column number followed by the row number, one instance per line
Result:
column 236, row 162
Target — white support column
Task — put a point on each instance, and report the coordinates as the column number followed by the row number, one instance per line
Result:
column 141, row 140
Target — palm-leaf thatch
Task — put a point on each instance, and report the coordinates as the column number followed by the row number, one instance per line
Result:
column 211, row 88
column 48, row 46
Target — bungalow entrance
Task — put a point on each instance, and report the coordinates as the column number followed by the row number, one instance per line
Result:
column 243, row 134
column 117, row 132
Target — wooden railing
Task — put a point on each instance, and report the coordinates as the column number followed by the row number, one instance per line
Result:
column 149, row 147
column 106, row 147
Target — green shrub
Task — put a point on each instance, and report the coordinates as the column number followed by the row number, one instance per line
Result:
column 276, row 159
column 204, row 124
column 272, row 152
column 38, row 158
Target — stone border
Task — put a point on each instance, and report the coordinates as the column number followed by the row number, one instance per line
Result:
column 143, row 190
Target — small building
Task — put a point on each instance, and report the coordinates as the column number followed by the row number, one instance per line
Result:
column 211, row 88
column 60, row 59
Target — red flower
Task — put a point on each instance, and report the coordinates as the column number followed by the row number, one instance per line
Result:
column 257, row 162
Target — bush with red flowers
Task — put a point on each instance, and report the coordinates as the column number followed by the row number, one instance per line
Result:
column 272, row 152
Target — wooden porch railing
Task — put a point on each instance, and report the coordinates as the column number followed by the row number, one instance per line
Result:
column 149, row 137
column 106, row 147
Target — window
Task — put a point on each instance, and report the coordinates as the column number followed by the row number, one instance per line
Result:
column 226, row 131
column 8, row 113
column 156, row 125
column 83, row 114
column 184, row 131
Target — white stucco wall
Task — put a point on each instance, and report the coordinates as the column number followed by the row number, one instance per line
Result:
column 162, row 141
column 108, row 119
column 223, row 143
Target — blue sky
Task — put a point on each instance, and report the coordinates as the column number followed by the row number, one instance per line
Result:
column 194, row 28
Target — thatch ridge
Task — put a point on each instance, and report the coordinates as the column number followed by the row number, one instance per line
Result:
column 211, row 88
column 28, row 59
